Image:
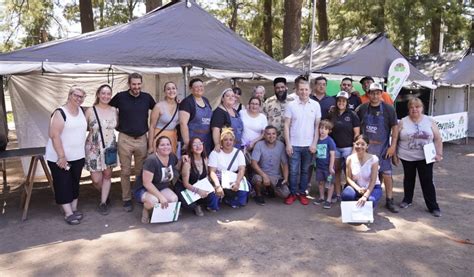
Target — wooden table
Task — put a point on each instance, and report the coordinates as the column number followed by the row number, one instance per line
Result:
column 36, row 154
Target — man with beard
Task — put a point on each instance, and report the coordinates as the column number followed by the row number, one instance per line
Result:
column 274, row 107
column 366, row 82
column 319, row 95
column 354, row 100
column 134, row 106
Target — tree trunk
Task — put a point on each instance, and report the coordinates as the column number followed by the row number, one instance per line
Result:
column 380, row 28
column 153, row 4
column 435, row 32
column 87, row 17
column 233, row 19
column 292, row 26
column 267, row 28
column 323, row 32
column 472, row 32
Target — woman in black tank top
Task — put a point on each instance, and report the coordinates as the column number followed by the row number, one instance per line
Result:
column 193, row 171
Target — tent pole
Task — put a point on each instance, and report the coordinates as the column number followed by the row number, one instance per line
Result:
column 3, row 116
column 185, row 78
column 432, row 94
column 467, row 109
column 312, row 40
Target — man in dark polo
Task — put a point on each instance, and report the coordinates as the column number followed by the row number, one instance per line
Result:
column 133, row 105
column 319, row 95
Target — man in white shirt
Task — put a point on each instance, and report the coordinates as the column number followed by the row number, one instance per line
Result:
column 302, row 118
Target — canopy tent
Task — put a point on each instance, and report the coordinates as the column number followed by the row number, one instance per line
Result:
column 355, row 56
column 462, row 73
column 435, row 65
column 162, row 41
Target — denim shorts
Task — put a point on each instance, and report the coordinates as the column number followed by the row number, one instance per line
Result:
column 343, row 152
column 322, row 174
column 138, row 193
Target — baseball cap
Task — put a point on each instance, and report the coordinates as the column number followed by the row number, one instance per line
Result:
column 375, row 86
column 366, row 78
column 342, row 94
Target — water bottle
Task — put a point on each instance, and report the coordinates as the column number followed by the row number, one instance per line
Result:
column 329, row 182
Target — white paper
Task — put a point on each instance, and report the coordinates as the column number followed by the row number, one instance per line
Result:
column 169, row 214
column 191, row 197
column 229, row 177
column 350, row 213
column 430, row 152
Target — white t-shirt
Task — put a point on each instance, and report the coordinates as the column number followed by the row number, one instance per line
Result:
column 222, row 160
column 253, row 126
column 303, row 117
column 361, row 173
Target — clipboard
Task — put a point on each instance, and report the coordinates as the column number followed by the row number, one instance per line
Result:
column 350, row 213
column 229, row 177
column 169, row 214
column 192, row 197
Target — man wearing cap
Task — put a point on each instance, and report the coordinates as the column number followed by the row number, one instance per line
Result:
column 354, row 100
column 274, row 107
column 319, row 95
column 366, row 82
column 379, row 123
column 302, row 118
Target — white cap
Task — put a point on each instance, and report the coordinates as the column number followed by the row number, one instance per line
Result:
column 375, row 86
column 342, row 94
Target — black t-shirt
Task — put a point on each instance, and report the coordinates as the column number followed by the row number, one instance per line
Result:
column 133, row 112
column 353, row 102
column 188, row 105
column 162, row 174
column 344, row 124
column 220, row 118
column 390, row 116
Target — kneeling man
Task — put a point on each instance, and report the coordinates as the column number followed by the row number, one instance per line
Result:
column 270, row 163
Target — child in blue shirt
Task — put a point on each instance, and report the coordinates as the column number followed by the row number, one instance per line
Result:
column 325, row 157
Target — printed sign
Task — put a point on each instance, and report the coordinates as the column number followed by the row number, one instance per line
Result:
column 397, row 74
column 452, row 126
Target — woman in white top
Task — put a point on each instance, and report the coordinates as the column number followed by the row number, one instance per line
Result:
column 254, row 123
column 362, row 175
column 417, row 130
column 165, row 112
column 65, row 153
column 228, row 159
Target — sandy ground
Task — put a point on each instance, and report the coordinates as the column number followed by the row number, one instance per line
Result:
column 272, row 240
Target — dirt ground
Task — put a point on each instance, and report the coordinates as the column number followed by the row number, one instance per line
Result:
column 271, row 240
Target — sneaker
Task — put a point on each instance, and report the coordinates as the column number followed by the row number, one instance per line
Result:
column 259, row 200
column 303, row 199
column 209, row 209
column 436, row 213
column 319, row 202
column 327, row 205
column 390, row 205
column 405, row 205
column 103, row 209
column 198, row 211
column 290, row 199
column 336, row 198
column 127, row 206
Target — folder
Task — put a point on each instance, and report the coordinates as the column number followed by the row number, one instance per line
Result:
column 169, row 214
column 229, row 177
column 350, row 213
column 430, row 152
column 202, row 184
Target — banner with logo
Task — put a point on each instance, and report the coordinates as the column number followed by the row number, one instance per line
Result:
column 452, row 126
column 398, row 72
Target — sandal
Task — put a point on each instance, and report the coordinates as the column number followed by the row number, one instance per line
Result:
column 145, row 216
column 79, row 215
column 72, row 220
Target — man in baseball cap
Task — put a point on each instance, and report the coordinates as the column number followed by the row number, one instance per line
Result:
column 366, row 82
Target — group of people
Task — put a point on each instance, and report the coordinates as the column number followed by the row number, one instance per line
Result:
column 273, row 144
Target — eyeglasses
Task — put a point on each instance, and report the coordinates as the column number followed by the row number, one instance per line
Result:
column 80, row 97
column 197, row 144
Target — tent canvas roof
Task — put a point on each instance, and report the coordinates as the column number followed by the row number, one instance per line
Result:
column 435, row 65
column 172, row 36
column 462, row 73
column 360, row 56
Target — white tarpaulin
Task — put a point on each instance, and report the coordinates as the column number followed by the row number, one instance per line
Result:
column 452, row 126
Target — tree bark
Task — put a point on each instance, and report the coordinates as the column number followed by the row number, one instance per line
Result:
column 233, row 19
column 292, row 26
column 323, row 25
column 267, row 28
column 472, row 32
column 153, row 4
column 435, row 32
column 87, row 17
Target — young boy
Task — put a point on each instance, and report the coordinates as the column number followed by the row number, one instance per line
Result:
column 325, row 156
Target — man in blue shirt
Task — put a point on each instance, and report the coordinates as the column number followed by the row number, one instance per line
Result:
column 319, row 95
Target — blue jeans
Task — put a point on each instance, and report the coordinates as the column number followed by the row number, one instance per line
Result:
column 350, row 194
column 300, row 162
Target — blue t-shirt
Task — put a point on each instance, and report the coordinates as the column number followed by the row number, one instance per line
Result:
column 322, row 152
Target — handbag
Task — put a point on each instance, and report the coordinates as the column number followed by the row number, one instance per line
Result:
column 110, row 153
